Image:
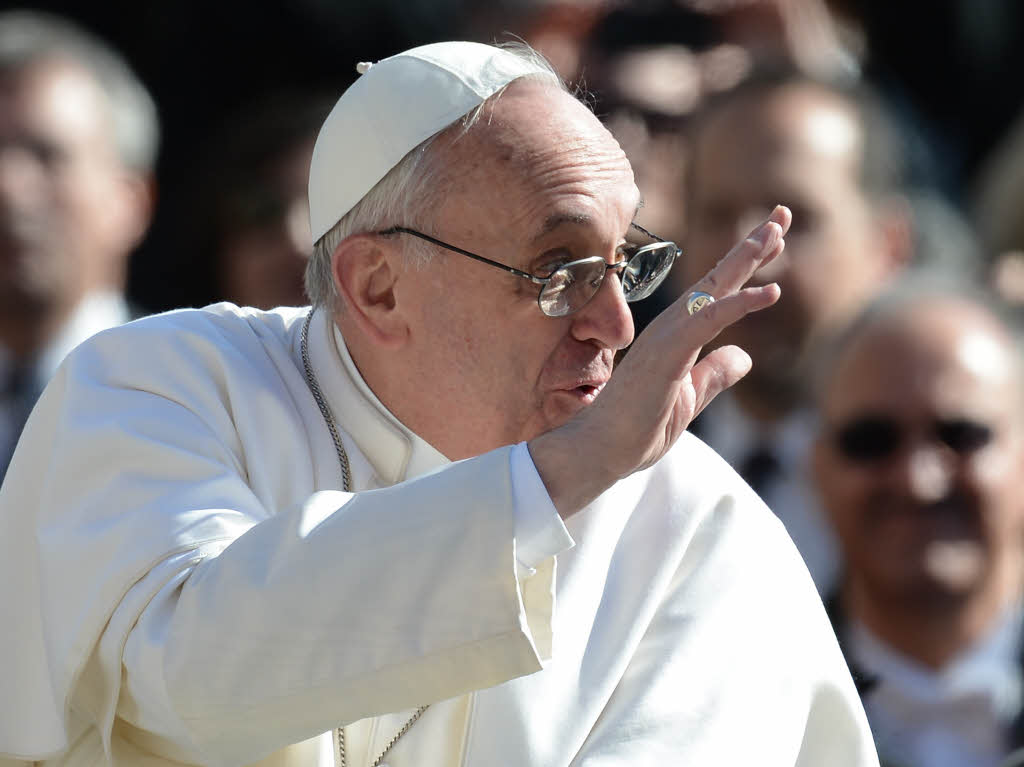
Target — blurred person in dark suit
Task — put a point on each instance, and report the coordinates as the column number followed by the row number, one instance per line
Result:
column 78, row 136
column 828, row 152
column 920, row 464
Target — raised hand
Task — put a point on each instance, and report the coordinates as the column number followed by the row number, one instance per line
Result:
column 660, row 386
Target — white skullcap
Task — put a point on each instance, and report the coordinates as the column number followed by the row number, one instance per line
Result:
column 394, row 106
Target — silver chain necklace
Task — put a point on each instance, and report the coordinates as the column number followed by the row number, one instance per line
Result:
column 346, row 484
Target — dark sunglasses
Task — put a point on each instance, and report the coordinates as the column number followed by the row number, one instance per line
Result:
column 570, row 286
column 875, row 438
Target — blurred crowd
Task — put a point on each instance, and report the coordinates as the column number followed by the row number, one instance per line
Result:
column 883, row 420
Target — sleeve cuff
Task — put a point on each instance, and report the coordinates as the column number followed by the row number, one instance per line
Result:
column 539, row 531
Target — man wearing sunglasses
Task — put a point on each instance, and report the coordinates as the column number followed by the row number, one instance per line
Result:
column 421, row 523
column 920, row 464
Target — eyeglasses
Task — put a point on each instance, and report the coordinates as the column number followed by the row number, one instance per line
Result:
column 872, row 438
column 570, row 286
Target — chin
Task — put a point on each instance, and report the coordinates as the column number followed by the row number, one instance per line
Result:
column 564, row 407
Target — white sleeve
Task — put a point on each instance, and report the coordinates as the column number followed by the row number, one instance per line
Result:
column 539, row 531
column 353, row 605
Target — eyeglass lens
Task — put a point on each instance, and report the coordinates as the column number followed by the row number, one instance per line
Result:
column 875, row 438
column 647, row 269
column 572, row 285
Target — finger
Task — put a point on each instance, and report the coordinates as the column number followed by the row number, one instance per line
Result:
column 703, row 326
column 763, row 244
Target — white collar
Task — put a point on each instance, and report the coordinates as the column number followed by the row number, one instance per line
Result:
column 988, row 669
column 394, row 452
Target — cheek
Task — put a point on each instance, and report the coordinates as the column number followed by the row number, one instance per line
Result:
column 845, row 493
column 86, row 201
column 994, row 476
column 486, row 359
column 823, row 283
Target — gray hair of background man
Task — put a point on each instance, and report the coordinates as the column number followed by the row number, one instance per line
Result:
column 29, row 37
column 408, row 192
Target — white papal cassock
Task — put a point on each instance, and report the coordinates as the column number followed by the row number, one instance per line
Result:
column 184, row 582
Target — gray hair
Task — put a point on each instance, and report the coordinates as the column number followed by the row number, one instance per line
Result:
column 410, row 190
column 28, row 37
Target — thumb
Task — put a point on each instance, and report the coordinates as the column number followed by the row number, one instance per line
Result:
column 716, row 372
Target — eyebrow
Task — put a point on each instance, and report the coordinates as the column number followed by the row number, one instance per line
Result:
column 555, row 220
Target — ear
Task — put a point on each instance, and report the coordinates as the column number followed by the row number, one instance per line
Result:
column 127, row 209
column 133, row 201
column 365, row 271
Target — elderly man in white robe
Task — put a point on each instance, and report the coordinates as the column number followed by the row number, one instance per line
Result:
column 420, row 523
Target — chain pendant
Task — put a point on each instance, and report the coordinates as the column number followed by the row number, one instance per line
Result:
column 346, row 484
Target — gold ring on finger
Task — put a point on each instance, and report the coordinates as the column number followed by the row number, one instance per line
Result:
column 697, row 300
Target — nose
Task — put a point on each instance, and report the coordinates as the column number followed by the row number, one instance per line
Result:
column 605, row 319
column 928, row 473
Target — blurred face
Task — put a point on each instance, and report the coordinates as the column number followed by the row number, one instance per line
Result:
column 797, row 146
column 264, row 257
column 539, row 182
column 62, row 228
column 920, row 464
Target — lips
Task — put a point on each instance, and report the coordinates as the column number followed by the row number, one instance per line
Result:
column 590, row 389
column 585, row 391
column 583, row 374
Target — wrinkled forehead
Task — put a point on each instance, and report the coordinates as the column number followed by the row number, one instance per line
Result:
column 536, row 141
column 794, row 135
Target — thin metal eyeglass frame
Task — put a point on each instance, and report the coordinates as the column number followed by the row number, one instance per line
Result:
column 536, row 280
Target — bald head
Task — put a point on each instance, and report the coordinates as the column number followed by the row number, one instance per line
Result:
column 921, row 460
column 930, row 342
column 524, row 140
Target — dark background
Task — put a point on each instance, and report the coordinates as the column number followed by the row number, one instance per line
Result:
column 954, row 68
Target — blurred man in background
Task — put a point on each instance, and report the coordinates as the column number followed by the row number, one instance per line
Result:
column 920, row 464
column 78, row 136
column 826, row 152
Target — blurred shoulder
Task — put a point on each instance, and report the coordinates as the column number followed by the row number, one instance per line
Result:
column 224, row 319
column 217, row 342
column 222, row 325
